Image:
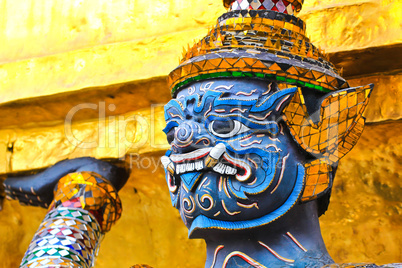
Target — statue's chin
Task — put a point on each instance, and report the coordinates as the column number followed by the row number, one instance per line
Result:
column 202, row 223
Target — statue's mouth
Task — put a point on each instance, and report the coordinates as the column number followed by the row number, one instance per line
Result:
column 215, row 158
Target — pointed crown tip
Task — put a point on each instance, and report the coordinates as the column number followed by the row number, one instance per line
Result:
column 282, row 6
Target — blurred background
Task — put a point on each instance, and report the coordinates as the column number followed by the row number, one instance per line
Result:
column 88, row 78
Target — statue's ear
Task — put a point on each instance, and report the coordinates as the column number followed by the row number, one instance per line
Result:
column 340, row 122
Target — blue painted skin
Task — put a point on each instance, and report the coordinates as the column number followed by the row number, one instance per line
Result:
column 251, row 198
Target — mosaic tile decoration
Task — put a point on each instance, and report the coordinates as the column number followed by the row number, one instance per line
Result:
column 276, row 5
column 84, row 208
column 89, row 191
column 339, row 127
column 259, row 43
column 317, row 179
column 67, row 236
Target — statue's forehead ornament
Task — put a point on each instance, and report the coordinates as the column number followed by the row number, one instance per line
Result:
column 262, row 39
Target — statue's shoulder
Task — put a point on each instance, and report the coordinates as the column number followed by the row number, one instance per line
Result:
column 362, row 265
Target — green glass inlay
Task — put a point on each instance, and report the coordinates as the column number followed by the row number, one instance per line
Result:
column 309, row 85
column 248, row 74
column 237, row 74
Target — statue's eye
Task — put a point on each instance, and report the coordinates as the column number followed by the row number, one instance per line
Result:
column 227, row 128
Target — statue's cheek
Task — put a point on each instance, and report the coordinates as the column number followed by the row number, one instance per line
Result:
column 264, row 171
column 174, row 190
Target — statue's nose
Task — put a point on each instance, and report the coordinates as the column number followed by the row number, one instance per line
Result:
column 190, row 136
column 184, row 133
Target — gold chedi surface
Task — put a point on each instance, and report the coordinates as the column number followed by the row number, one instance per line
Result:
column 362, row 223
column 341, row 25
column 364, row 220
column 81, row 50
column 96, row 43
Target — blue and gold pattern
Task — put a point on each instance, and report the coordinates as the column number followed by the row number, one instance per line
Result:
column 259, row 119
column 231, row 164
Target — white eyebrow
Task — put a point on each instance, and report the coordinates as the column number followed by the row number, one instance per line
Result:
column 224, row 87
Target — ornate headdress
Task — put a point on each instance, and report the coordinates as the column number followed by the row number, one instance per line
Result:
column 262, row 39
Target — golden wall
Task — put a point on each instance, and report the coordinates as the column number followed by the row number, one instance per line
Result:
column 101, row 65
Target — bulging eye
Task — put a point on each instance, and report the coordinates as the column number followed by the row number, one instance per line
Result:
column 227, row 128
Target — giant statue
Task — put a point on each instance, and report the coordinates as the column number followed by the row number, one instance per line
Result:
column 258, row 121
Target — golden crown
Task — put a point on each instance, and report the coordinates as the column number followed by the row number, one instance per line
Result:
column 260, row 39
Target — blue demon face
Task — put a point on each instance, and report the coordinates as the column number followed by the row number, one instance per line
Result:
column 232, row 164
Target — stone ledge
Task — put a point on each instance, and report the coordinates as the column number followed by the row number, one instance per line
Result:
column 113, row 137
column 368, row 61
column 111, row 100
column 385, row 103
column 120, row 131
